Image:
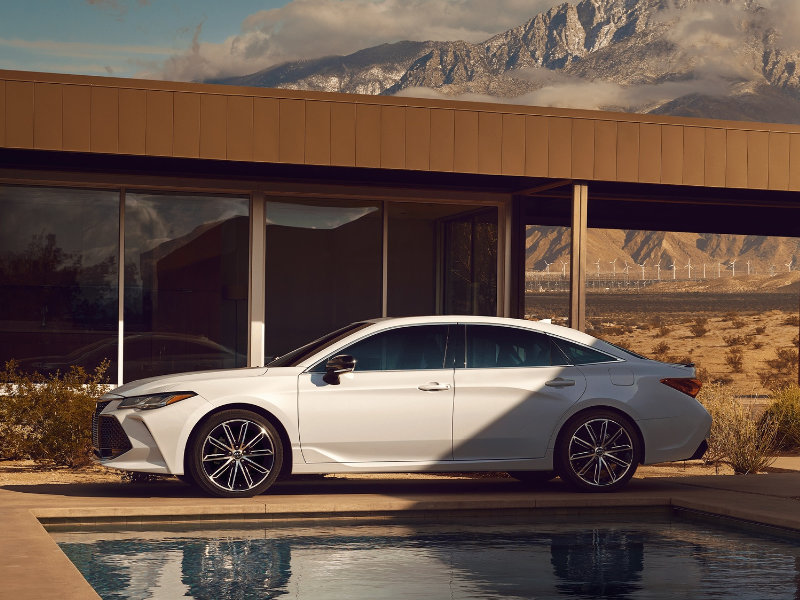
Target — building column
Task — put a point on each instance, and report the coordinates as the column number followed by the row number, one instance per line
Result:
column 256, row 306
column 577, row 290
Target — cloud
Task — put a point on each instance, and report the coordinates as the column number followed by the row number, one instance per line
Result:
column 783, row 16
column 566, row 91
column 306, row 29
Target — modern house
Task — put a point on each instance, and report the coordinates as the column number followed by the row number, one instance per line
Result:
column 176, row 226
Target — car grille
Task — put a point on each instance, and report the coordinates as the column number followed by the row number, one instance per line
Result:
column 108, row 438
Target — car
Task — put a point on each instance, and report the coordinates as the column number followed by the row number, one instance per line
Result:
column 412, row 394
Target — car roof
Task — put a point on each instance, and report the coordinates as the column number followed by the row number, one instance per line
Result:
column 543, row 326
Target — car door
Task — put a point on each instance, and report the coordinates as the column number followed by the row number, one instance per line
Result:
column 511, row 390
column 397, row 404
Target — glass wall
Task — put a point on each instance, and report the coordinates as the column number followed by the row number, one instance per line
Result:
column 186, row 283
column 470, row 264
column 324, row 262
column 58, row 277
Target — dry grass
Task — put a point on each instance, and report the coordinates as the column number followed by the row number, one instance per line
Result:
column 704, row 340
column 740, row 436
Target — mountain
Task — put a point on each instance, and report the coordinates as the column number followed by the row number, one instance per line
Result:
column 766, row 255
column 638, row 56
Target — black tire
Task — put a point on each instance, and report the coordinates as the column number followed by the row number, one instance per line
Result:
column 597, row 451
column 235, row 454
column 533, row 478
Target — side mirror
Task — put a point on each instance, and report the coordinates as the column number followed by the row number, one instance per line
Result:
column 343, row 363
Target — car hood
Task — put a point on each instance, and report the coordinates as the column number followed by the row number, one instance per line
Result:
column 182, row 381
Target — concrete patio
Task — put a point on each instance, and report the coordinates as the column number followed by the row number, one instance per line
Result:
column 33, row 566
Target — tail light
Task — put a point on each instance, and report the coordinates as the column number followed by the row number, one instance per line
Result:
column 687, row 385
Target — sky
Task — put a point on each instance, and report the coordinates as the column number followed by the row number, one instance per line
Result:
column 190, row 40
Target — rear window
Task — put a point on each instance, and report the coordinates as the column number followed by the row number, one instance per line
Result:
column 583, row 355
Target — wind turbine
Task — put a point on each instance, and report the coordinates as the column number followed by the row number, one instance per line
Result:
column 733, row 268
column 704, row 270
column 719, row 265
column 789, row 264
column 748, row 267
column 564, row 264
column 626, row 269
column 547, row 267
column 772, row 270
column 658, row 270
column 672, row 266
column 597, row 262
column 642, row 265
column 689, row 267
column 614, row 267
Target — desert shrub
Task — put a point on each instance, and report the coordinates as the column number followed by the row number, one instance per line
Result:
column 793, row 320
column 664, row 331
column 49, row 419
column 734, row 359
column 680, row 360
column 734, row 340
column 784, row 411
column 761, row 330
column 661, row 348
column 738, row 323
column 758, row 345
column 783, row 370
column 738, row 437
column 700, row 327
column 785, row 360
column 730, row 315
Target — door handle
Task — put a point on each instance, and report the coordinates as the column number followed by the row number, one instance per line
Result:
column 434, row 386
column 558, row 382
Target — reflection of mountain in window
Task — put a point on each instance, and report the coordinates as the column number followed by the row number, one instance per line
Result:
column 309, row 216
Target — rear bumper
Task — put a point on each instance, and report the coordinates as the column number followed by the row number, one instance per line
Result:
column 700, row 452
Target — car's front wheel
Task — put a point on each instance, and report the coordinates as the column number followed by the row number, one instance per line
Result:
column 236, row 453
column 598, row 451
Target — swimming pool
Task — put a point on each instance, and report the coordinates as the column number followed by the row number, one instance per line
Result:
column 648, row 555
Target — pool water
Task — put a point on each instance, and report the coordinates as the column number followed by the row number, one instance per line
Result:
column 649, row 555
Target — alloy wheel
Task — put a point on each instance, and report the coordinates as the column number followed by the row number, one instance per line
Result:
column 238, row 455
column 601, row 452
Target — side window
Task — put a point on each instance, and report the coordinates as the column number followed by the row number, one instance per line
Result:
column 402, row 349
column 582, row 355
column 490, row 346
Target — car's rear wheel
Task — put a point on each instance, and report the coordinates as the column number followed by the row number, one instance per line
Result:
column 598, row 451
column 236, row 453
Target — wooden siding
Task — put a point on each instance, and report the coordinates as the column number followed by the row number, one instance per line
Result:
column 116, row 116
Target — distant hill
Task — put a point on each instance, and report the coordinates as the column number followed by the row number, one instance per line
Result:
column 714, row 252
column 646, row 54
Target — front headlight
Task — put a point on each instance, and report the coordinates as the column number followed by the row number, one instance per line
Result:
column 155, row 400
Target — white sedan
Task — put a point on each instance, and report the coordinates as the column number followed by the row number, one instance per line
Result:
column 434, row 394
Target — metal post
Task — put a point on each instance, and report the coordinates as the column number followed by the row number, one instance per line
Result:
column 577, row 290
column 256, row 292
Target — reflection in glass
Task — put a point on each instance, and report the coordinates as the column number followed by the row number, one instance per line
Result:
column 470, row 264
column 323, row 268
column 58, row 277
column 186, row 282
column 414, row 231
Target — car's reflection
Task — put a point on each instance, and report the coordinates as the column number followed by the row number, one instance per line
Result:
column 661, row 559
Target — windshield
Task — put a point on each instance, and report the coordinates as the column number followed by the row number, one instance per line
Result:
column 296, row 357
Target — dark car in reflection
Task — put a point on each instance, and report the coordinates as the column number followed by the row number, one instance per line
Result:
column 146, row 355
